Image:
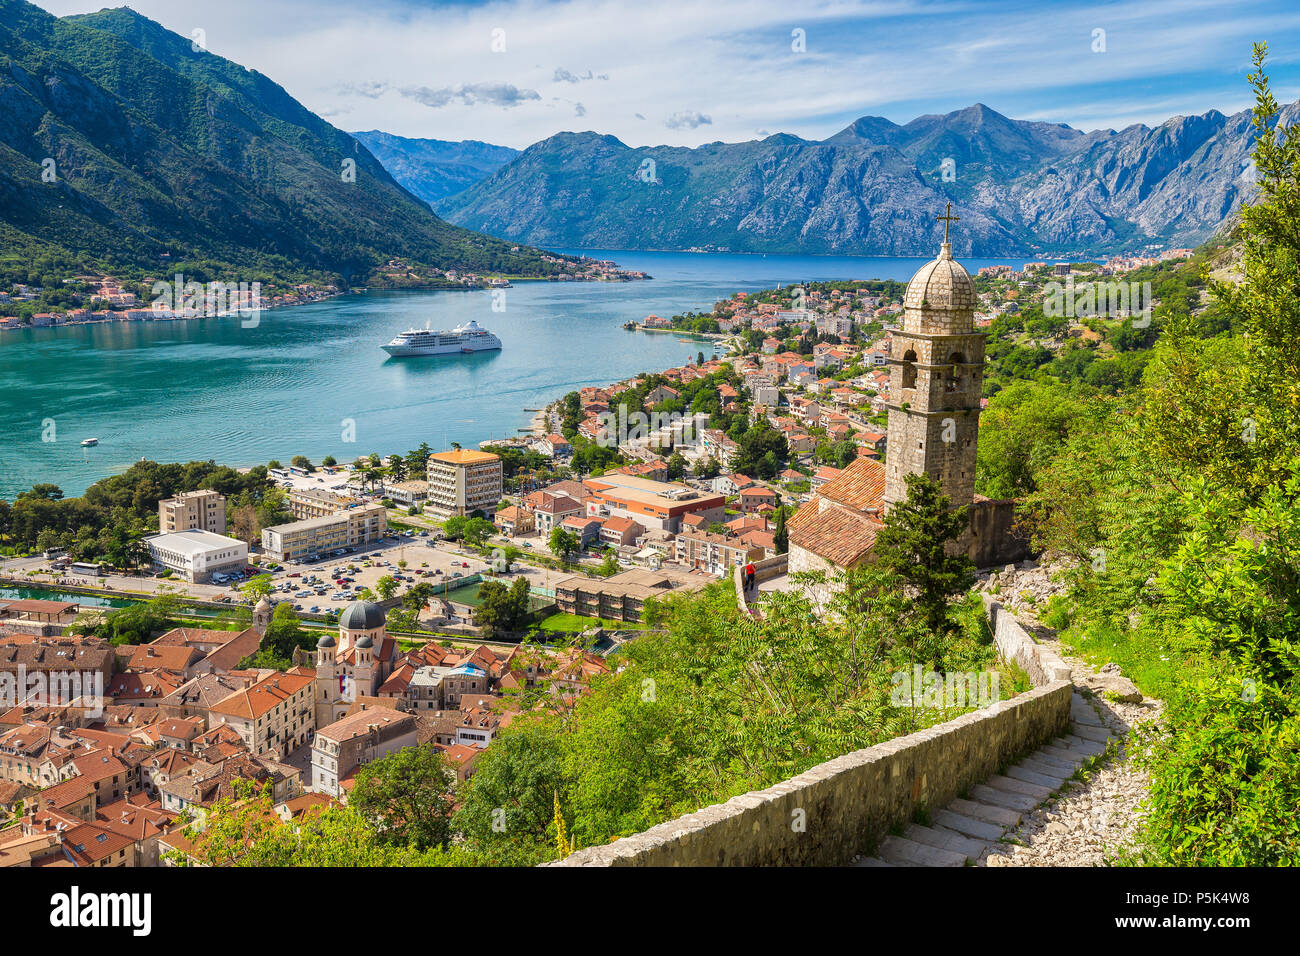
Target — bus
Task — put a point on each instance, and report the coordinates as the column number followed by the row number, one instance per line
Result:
column 83, row 567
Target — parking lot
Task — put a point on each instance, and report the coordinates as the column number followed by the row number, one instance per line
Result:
column 331, row 584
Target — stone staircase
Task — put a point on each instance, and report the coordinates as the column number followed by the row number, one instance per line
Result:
column 963, row 832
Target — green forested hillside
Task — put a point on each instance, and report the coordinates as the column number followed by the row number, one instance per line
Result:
column 122, row 145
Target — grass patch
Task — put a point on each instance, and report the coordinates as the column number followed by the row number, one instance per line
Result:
column 1143, row 658
column 575, row 622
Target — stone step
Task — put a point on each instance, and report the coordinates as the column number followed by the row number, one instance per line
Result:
column 871, row 861
column 946, row 839
column 1000, row 798
column 1072, row 757
column 979, row 829
column 905, row 852
column 1099, row 734
column 1090, row 747
column 1061, row 764
column 1038, row 779
column 1082, row 713
column 1011, row 785
column 979, row 810
column 1049, row 770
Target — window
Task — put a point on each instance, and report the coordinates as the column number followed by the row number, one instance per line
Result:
column 953, row 383
column 909, row 369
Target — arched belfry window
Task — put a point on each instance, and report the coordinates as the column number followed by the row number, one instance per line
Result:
column 909, row 369
column 953, row 381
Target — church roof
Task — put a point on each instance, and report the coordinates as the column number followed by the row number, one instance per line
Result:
column 361, row 616
column 860, row 486
column 844, row 538
column 942, row 283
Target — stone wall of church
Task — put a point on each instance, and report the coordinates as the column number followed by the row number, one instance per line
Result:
column 801, row 559
column 994, row 539
column 941, row 445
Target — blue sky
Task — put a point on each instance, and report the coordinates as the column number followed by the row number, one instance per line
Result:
column 654, row 72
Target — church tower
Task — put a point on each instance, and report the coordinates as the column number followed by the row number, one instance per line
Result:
column 937, row 370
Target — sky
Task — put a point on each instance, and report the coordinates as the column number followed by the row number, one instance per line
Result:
column 672, row 72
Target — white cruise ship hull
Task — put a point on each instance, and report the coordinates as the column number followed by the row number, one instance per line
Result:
column 399, row 350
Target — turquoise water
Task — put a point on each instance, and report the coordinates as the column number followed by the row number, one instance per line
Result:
column 53, row 594
column 176, row 391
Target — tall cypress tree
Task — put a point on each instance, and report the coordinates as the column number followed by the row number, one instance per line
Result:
column 912, row 546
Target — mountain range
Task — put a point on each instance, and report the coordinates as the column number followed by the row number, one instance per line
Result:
column 122, row 143
column 435, row 168
column 874, row 188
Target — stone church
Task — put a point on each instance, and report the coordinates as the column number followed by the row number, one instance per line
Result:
column 354, row 665
column 936, row 378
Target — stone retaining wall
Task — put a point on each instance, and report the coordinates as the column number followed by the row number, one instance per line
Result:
column 830, row 813
column 1014, row 644
column 764, row 570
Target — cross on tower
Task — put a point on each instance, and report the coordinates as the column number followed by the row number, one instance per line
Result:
column 947, row 220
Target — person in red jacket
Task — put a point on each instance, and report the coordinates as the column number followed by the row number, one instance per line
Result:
column 749, row 576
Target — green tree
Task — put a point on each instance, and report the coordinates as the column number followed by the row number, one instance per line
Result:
column 257, row 587
column 563, row 543
column 407, row 797
column 914, row 545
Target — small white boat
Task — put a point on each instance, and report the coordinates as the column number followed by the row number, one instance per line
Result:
column 90, row 441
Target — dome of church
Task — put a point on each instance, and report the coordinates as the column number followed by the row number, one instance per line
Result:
column 264, row 604
column 326, row 641
column 365, row 641
column 941, row 284
column 361, row 616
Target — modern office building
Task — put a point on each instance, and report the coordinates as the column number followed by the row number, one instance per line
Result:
column 311, row 538
column 197, row 555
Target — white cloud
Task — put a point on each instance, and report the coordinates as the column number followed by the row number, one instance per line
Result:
column 688, row 119
column 504, row 95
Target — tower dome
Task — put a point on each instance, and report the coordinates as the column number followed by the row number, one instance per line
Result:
column 941, row 284
column 326, row 641
column 361, row 616
column 365, row 641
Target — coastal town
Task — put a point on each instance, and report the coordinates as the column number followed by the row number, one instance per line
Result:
column 98, row 299
column 432, row 598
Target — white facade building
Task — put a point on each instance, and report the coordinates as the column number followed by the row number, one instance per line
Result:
column 197, row 555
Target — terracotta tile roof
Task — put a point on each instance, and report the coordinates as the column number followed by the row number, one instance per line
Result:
column 172, row 657
column 181, row 636
column 842, row 537
column 148, row 685
column 861, row 486
column 263, row 697
column 63, row 795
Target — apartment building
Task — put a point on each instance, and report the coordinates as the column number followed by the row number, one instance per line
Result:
column 274, row 716
column 618, row 598
column 309, row 539
column 367, row 735
column 652, row 504
column 714, row 553
column 193, row 511
column 307, row 503
column 462, row 482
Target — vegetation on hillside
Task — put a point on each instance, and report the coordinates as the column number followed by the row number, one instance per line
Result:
column 1180, row 499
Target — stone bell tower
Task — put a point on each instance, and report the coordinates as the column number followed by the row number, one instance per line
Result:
column 937, row 370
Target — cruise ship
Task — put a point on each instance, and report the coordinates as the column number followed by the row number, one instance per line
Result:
column 470, row 337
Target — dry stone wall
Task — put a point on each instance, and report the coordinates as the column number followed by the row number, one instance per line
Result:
column 828, row 814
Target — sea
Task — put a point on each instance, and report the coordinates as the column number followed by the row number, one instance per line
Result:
column 312, row 379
